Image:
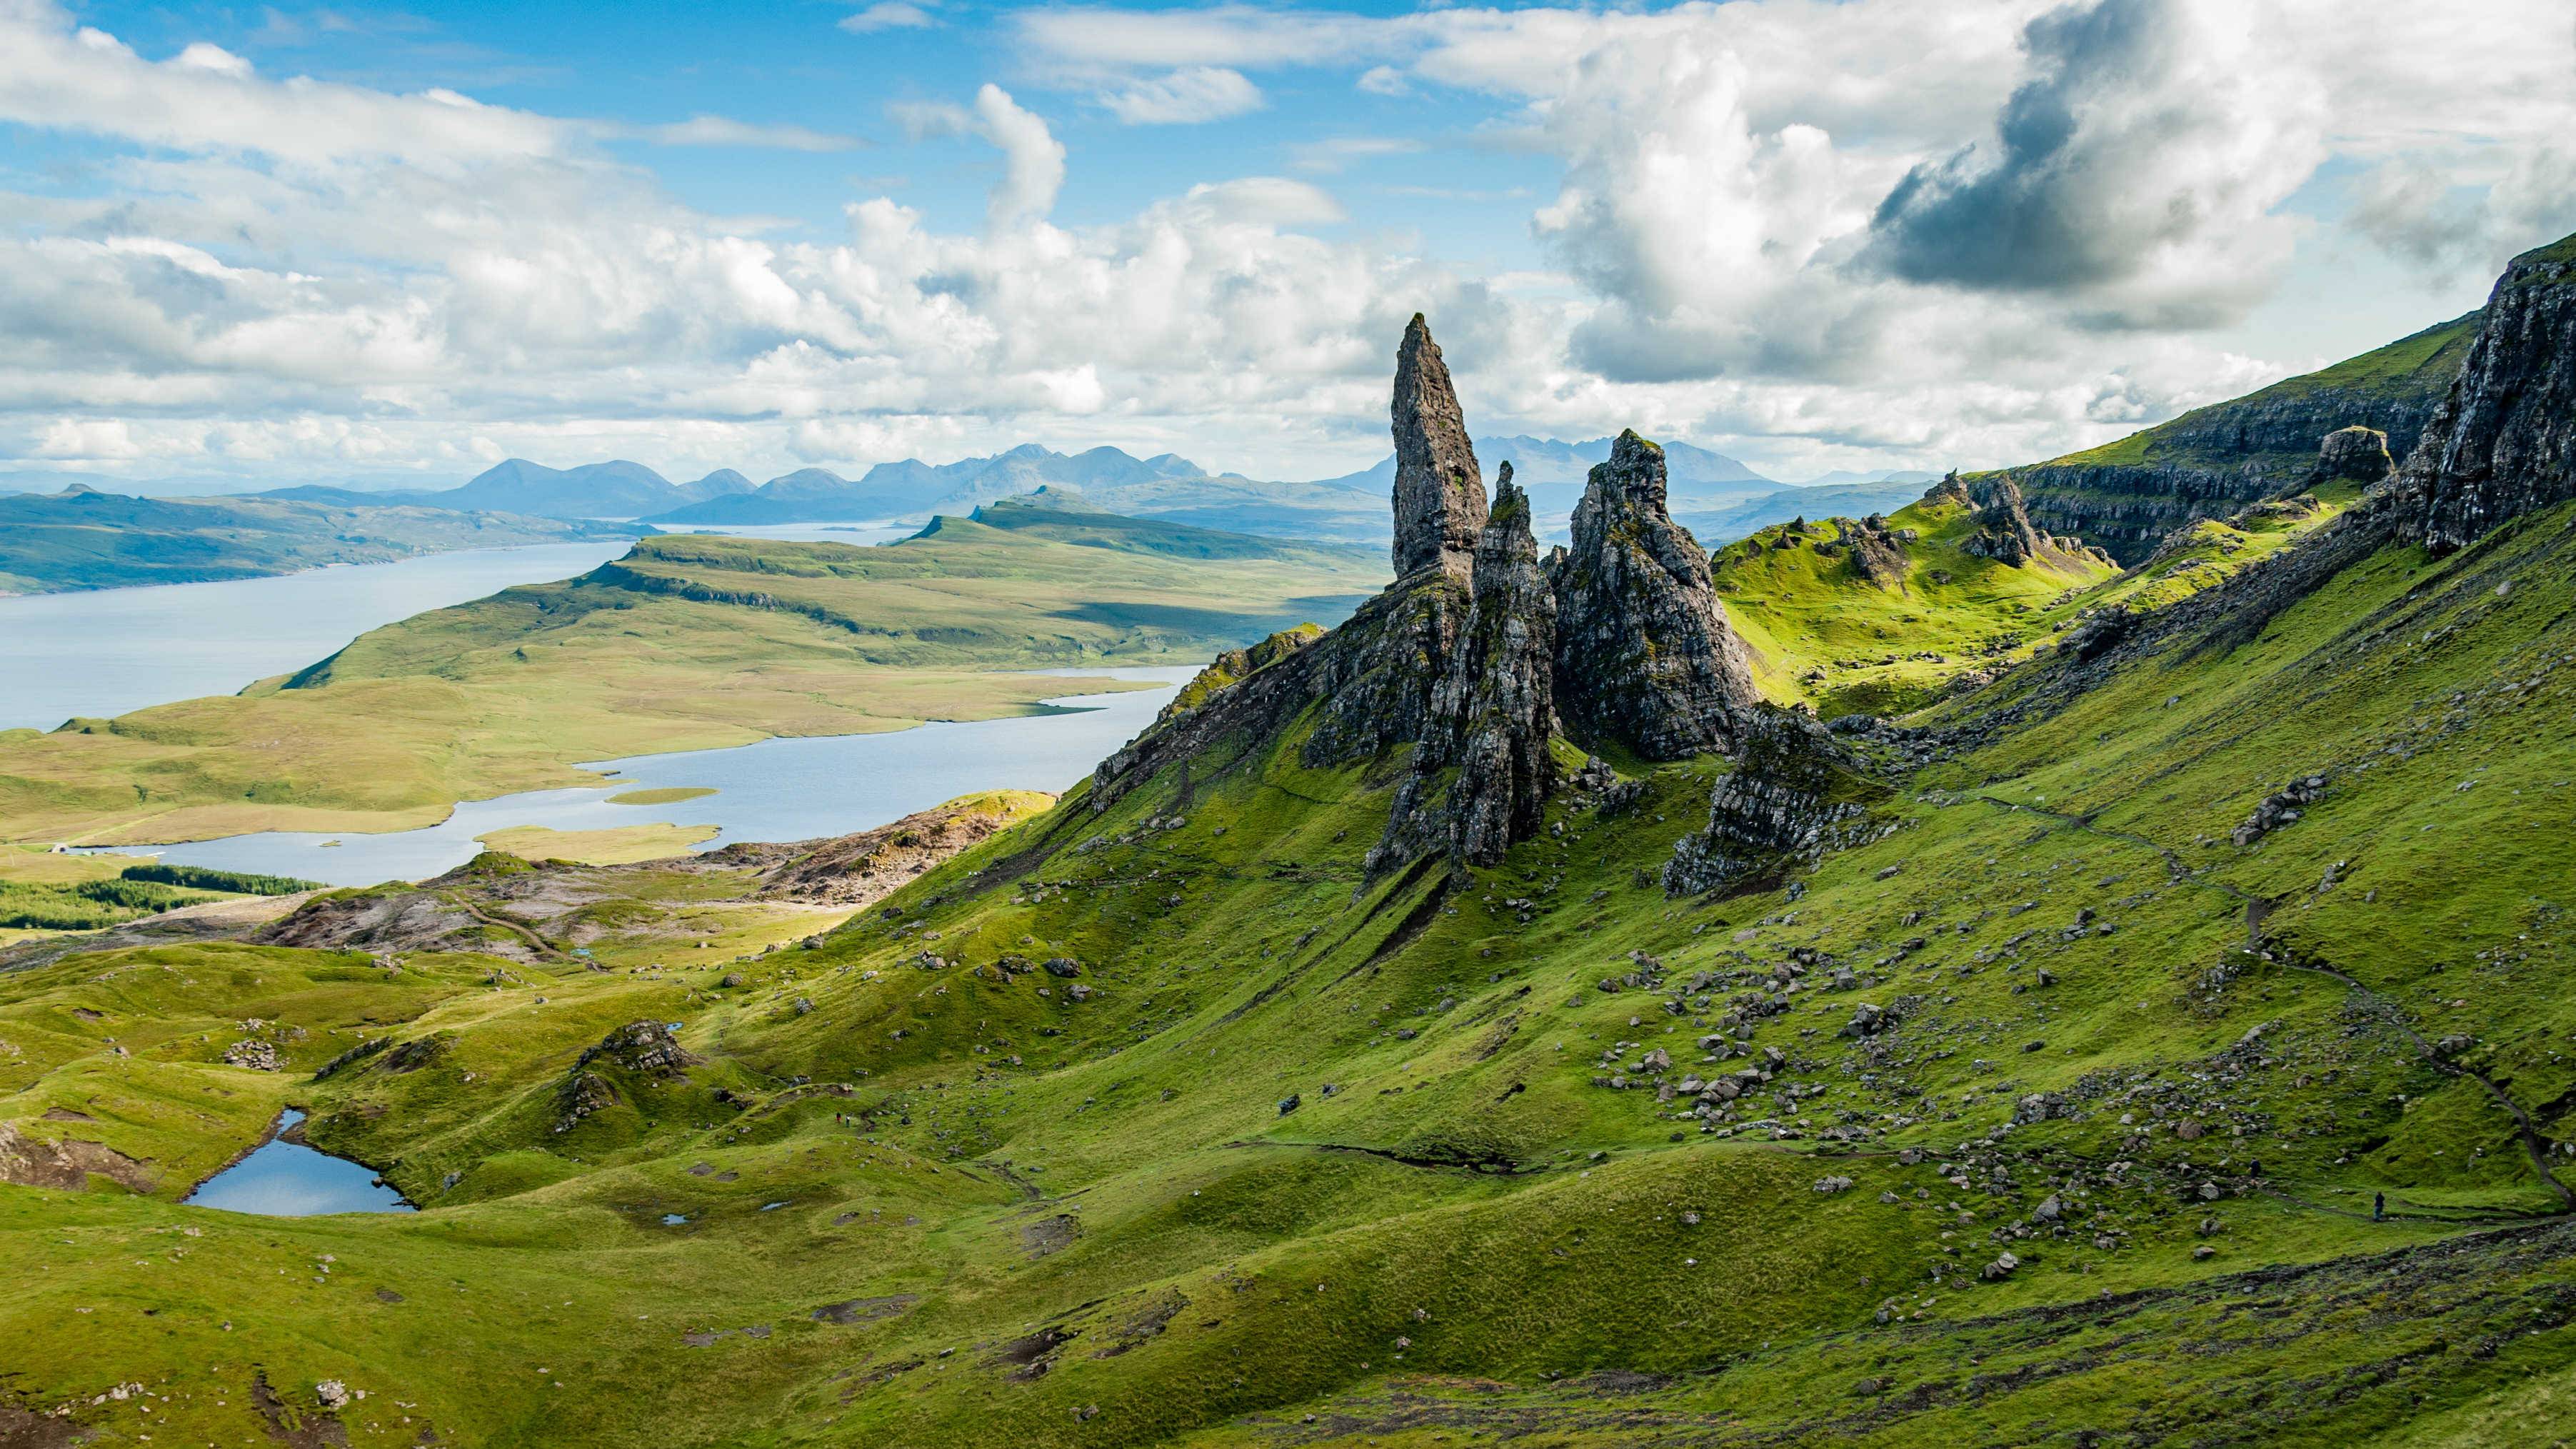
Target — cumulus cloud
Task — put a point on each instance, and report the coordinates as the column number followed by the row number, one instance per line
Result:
column 1032, row 158
column 2141, row 164
column 1183, row 97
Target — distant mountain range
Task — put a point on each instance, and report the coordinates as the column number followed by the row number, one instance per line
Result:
column 912, row 487
column 1347, row 509
column 615, row 489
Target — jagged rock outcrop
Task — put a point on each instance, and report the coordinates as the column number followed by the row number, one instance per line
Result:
column 1480, row 777
column 2353, row 455
column 647, row 1047
column 1877, row 553
column 1645, row 657
column 1235, row 665
column 1371, row 680
column 1439, row 490
column 2503, row 442
column 2004, row 530
column 1794, row 794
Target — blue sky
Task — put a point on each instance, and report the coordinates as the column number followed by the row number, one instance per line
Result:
column 384, row 245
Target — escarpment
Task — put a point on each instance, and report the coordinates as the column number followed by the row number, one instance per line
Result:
column 2503, row 442
column 2214, row 461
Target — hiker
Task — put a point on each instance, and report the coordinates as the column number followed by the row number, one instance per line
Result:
column 2379, row 1207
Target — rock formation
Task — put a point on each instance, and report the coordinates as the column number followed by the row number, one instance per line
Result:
column 2503, row 441
column 1481, row 775
column 2353, row 455
column 1645, row 658
column 1439, row 490
column 1471, row 658
column 2004, row 530
column 1877, row 553
column 1794, row 794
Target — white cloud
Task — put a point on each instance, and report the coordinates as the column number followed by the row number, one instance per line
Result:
column 1333, row 155
column 887, row 15
column 288, row 277
column 723, row 131
column 1183, row 97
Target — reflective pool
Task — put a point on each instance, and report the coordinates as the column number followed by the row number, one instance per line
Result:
column 284, row 1178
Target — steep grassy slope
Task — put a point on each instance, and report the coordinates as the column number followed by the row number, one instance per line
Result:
column 1275, row 1151
column 84, row 539
column 686, row 643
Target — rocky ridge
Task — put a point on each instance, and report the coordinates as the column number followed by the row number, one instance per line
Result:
column 2216, row 460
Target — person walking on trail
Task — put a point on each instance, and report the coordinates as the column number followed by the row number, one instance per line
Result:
column 2379, row 1207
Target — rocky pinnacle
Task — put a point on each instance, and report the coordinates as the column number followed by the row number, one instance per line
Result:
column 1480, row 776
column 1439, row 491
column 1645, row 658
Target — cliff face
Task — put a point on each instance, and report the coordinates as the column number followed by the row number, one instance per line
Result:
column 2504, row 440
column 1645, row 658
column 2213, row 461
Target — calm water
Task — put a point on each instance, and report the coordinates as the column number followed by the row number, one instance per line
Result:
column 781, row 789
column 113, row 650
column 283, row 1179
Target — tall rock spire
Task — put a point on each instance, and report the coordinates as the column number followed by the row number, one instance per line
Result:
column 1645, row 658
column 1481, row 773
column 1439, row 491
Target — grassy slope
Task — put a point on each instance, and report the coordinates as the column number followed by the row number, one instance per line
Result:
column 92, row 540
column 687, row 643
column 1822, row 633
column 1088, row 1222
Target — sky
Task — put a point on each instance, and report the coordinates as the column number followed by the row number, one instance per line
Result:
column 389, row 246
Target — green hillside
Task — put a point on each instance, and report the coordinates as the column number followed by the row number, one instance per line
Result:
column 931, row 1195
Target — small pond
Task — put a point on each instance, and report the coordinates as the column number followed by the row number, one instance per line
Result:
column 284, row 1178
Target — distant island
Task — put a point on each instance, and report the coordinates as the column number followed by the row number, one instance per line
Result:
column 82, row 538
